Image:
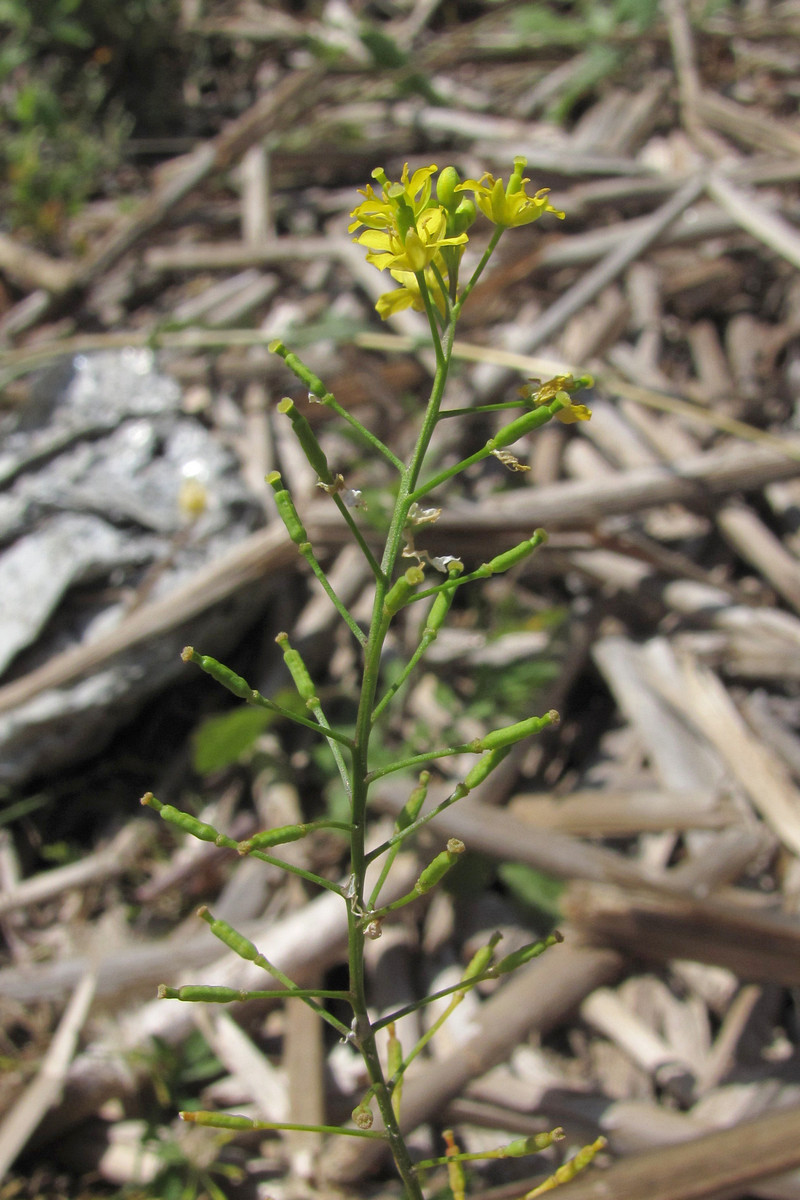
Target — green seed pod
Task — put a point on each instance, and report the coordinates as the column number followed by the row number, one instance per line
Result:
column 509, row 559
column 201, row 993
column 227, row 934
column 437, row 614
column 218, row 1120
column 394, row 1051
column 307, row 439
column 455, row 1169
column 524, row 424
column 224, row 675
column 185, row 821
column 287, row 511
column 481, row 959
column 273, row 837
column 525, row 954
column 401, row 590
column 569, row 1169
column 297, row 670
column 312, row 381
column 533, row 1144
column 514, row 733
column 437, row 869
column 198, row 829
column 483, row 768
column 411, row 808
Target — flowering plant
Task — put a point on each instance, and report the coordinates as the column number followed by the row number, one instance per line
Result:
column 415, row 228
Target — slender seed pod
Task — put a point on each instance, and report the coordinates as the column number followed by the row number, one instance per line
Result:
column 481, row 959
column 437, row 869
column 524, row 424
column 569, row 1169
column 298, row 670
column 412, row 806
column 218, row 1120
column 202, row 993
column 185, row 821
column 286, row 510
column 278, row 836
column 525, row 954
column 483, row 769
column 533, row 1144
column 307, row 439
column 438, row 611
column 504, row 562
column 400, row 591
column 455, row 1170
column 514, row 733
column 227, row 934
column 224, row 675
column 394, row 1051
column 312, row 381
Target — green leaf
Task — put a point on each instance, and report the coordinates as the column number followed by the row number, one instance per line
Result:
column 385, row 52
column 221, row 741
column 533, row 888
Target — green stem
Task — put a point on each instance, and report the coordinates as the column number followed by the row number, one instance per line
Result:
column 309, row 876
column 416, row 1005
column 308, row 554
column 360, row 542
column 476, row 274
column 362, row 1029
column 416, row 760
column 432, row 313
column 331, row 402
column 398, row 683
column 500, row 406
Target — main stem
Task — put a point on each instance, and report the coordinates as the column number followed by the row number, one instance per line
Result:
column 363, row 1031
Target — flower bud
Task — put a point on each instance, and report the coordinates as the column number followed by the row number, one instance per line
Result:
column 464, row 215
column 446, row 186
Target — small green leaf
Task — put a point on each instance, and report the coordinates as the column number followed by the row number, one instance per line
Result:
column 221, row 741
column 533, row 888
column 385, row 52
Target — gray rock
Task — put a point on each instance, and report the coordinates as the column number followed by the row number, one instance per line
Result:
column 91, row 475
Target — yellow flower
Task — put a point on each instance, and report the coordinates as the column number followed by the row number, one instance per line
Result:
column 377, row 212
column 574, row 412
column 559, row 388
column 413, row 250
column 408, row 294
column 510, row 205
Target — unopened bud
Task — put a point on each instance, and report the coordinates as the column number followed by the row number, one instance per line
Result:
column 446, row 186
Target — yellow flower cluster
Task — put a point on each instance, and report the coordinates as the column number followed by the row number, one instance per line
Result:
column 404, row 230
column 419, row 236
column 510, row 206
